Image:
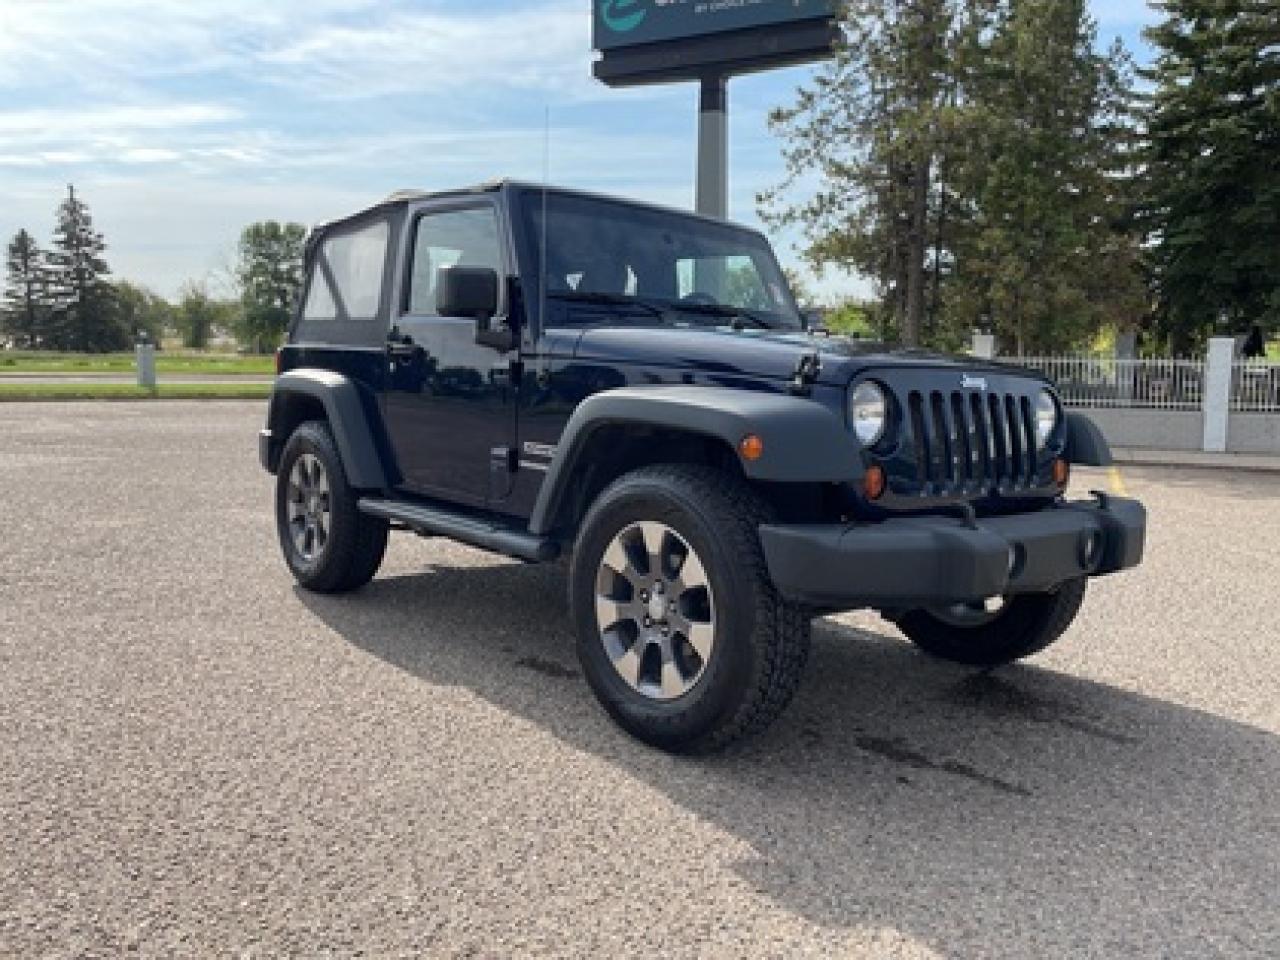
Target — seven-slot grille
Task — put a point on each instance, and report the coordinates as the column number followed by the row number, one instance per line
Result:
column 975, row 440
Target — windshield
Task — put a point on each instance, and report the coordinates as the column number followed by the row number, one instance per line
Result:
column 612, row 250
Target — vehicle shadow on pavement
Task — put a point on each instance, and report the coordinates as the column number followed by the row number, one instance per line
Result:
column 1007, row 814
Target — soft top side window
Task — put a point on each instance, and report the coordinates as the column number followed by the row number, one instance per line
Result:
column 347, row 275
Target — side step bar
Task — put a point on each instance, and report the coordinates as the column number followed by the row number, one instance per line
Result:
column 474, row 531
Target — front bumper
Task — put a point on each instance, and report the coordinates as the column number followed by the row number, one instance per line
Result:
column 268, row 451
column 932, row 561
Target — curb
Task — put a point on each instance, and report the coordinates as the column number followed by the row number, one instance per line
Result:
column 1253, row 463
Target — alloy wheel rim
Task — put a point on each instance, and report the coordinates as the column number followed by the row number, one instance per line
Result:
column 655, row 610
column 310, row 507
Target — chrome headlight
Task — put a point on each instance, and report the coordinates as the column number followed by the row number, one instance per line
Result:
column 870, row 413
column 1047, row 416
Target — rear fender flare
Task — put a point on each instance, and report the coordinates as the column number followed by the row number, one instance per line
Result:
column 345, row 410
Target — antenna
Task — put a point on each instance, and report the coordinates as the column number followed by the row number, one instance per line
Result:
column 546, row 179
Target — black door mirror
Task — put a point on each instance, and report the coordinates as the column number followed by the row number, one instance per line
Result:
column 473, row 292
column 466, row 292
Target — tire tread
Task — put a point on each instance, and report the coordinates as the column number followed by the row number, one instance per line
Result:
column 781, row 637
column 361, row 541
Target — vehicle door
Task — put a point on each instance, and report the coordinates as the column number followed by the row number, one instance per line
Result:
column 449, row 406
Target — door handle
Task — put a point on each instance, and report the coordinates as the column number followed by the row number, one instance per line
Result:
column 401, row 345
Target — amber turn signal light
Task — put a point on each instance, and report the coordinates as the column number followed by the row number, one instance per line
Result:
column 751, row 447
column 1061, row 472
column 874, row 483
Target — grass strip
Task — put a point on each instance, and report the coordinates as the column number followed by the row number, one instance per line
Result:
column 22, row 392
column 168, row 361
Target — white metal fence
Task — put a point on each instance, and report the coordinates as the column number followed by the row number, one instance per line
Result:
column 1111, row 382
column 1255, row 386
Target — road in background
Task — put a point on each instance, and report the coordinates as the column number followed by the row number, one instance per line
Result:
column 198, row 759
column 129, row 378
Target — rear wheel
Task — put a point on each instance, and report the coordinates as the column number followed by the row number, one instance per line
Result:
column 328, row 544
column 680, row 633
column 994, row 633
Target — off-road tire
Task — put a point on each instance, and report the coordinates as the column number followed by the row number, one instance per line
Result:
column 761, row 642
column 356, row 542
column 1025, row 626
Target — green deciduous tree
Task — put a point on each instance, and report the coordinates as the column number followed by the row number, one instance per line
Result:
column 25, row 314
column 270, row 277
column 139, row 310
column 199, row 315
column 85, row 311
column 1211, row 167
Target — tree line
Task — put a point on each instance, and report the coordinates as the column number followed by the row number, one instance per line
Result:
column 989, row 168
column 63, row 297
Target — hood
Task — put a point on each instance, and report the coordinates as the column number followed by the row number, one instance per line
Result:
column 768, row 354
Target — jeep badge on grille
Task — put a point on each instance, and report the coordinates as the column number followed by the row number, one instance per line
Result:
column 973, row 383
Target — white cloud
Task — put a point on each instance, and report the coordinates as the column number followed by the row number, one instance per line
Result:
column 436, row 53
column 52, row 124
column 149, row 155
column 332, row 48
column 128, row 134
column 182, row 121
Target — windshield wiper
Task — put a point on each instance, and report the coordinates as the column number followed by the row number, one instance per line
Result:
column 667, row 309
column 740, row 315
column 653, row 308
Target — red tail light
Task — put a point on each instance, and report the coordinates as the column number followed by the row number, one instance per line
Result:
column 279, row 361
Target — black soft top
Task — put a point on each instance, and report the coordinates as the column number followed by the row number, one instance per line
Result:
column 402, row 198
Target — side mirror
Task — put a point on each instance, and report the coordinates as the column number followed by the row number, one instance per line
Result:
column 473, row 292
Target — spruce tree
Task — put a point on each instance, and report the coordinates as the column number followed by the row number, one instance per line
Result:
column 870, row 128
column 26, row 305
column 967, row 155
column 1046, row 255
column 82, row 296
column 1211, row 155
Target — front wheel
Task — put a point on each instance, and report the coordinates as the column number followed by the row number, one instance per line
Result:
column 988, row 635
column 680, row 633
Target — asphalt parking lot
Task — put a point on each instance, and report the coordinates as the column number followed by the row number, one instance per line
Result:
column 199, row 760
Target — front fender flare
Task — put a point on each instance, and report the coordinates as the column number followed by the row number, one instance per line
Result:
column 1085, row 443
column 345, row 411
column 804, row 441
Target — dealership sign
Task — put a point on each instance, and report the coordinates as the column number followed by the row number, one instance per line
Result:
column 628, row 23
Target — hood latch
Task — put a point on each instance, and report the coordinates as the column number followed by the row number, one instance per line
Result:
column 808, row 367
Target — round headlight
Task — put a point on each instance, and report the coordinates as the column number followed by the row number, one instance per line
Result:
column 870, row 412
column 1047, row 415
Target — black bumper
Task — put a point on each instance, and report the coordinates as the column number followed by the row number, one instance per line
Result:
column 268, row 451
column 928, row 561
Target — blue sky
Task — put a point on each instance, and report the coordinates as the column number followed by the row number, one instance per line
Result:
column 180, row 122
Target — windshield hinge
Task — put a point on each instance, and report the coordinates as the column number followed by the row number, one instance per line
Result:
column 807, row 369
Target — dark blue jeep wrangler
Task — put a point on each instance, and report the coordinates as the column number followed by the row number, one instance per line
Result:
column 544, row 373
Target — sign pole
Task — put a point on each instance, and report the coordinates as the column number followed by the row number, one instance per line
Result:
column 679, row 41
column 713, row 147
